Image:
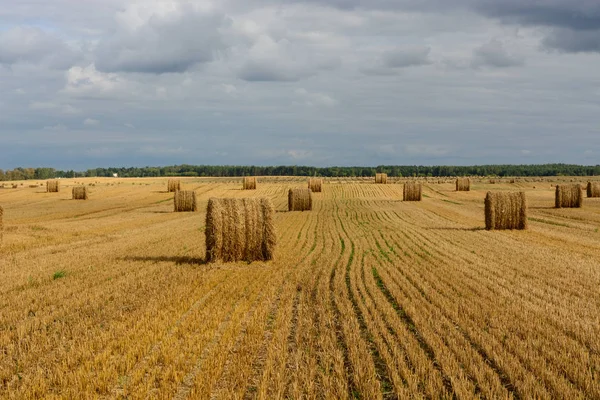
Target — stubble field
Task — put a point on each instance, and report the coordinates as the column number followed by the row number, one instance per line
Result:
column 368, row 296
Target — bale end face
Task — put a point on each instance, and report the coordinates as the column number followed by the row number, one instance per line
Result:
column 185, row 201
column 505, row 210
column 299, row 199
column 240, row 230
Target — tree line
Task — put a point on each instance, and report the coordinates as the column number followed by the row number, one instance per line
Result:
column 235, row 170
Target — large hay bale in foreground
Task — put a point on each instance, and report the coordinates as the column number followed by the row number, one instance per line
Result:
column 568, row 196
column 173, row 185
column 412, row 191
column 299, row 199
column 505, row 210
column 185, row 200
column 249, row 183
column 381, row 178
column 463, row 184
column 315, row 185
column 80, row 193
column 240, row 230
column 52, row 186
column 593, row 189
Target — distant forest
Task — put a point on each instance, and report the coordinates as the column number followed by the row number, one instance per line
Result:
column 232, row 170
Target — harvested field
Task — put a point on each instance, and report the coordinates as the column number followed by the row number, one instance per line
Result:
column 367, row 296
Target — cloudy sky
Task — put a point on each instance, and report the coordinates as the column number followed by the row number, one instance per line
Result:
column 98, row 83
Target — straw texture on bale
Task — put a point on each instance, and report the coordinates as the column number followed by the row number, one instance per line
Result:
column 249, row 183
column 412, row 191
column 1, row 223
column 381, row 178
column 240, row 230
column 299, row 199
column 315, row 185
column 80, row 193
column 463, row 184
column 568, row 196
column 52, row 186
column 505, row 210
column 173, row 185
column 593, row 189
column 185, row 200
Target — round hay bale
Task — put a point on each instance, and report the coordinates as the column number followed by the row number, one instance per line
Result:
column 412, row 191
column 80, row 193
column 315, row 185
column 593, row 189
column 299, row 199
column 240, row 230
column 185, row 200
column 1, row 224
column 249, row 183
column 463, row 184
column 52, row 186
column 173, row 185
column 381, row 178
column 505, row 210
column 568, row 196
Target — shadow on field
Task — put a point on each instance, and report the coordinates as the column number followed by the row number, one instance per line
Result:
column 479, row 228
column 178, row 260
column 542, row 208
column 160, row 191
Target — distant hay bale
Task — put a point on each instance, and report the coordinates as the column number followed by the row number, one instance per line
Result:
column 412, row 191
column 512, row 181
column 52, row 186
column 568, row 196
column 80, row 193
column 249, row 183
column 463, row 184
column 492, row 181
column 240, row 230
column 381, row 178
column 593, row 189
column 505, row 210
column 185, row 200
column 173, row 185
column 315, row 185
column 299, row 199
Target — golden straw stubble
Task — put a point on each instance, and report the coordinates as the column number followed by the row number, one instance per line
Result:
column 505, row 210
column 240, row 229
column 299, row 199
column 1, row 223
column 568, row 196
